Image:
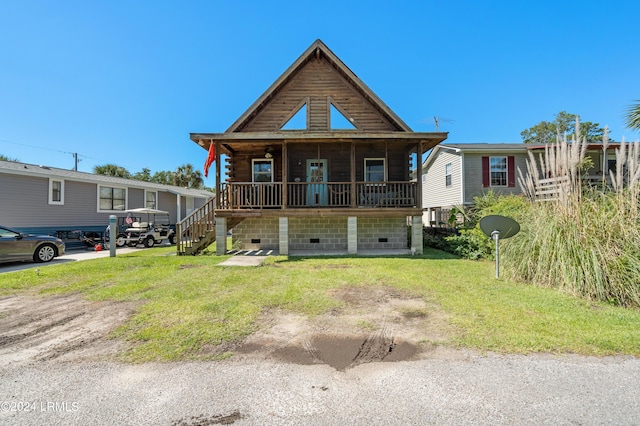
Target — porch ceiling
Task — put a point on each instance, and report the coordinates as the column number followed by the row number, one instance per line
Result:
column 428, row 139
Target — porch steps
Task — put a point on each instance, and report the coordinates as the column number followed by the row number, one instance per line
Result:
column 200, row 243
column 197, row 231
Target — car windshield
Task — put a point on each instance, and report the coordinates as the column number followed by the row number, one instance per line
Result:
column 8, row 233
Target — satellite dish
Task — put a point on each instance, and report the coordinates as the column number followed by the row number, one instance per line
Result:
column 497, row 227
column 506, row 226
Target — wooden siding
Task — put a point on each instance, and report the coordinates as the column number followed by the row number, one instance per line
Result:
column 316, row 82
column 435, row 193
column 338, row 156
column 473, row 175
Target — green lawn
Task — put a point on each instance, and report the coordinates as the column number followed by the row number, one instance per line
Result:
column 190, row 302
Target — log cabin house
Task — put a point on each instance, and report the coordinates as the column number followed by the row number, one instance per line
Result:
column 317, row 163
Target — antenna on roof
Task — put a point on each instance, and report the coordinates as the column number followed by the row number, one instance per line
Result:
column 437, row 120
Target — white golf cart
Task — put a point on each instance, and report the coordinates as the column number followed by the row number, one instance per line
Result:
column 145, row 226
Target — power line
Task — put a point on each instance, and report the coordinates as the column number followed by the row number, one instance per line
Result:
column 75, row 155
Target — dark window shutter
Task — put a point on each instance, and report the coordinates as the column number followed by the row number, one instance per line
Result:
column 486, row 180
column 511, row 171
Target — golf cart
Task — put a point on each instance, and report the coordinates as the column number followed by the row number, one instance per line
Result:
column 145, row 226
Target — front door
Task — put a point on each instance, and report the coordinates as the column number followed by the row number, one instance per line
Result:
column 317, row 176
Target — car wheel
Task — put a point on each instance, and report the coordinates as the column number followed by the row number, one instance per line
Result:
column 121, row 240
column 44, row 253
column 149, row 242
column 172, row 238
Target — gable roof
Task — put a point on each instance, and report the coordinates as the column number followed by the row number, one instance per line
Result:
column 16, row 168
column 318, row 50
column 484, row 147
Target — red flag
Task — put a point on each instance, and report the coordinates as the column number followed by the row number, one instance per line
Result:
column 210, row 159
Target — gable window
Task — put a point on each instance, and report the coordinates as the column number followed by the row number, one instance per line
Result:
column 111, row 198
column 263, row 170
column 447, row 174
column 299, row 120
column 374, row 170
column 151, row 199
column 498, row 171
column 56, row 191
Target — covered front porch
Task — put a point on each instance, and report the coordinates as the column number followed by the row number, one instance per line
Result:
column 298, row 170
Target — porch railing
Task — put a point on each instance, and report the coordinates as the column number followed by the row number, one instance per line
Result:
column 195, row 227
column 253, row 195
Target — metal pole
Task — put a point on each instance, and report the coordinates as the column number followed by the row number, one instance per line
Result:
column 113, row 231
column 496, row 237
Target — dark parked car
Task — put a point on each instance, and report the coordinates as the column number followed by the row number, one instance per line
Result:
column 16, row 246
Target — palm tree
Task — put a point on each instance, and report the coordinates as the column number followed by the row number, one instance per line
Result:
column 186, row 176
column 112, row 170
column 633, row 116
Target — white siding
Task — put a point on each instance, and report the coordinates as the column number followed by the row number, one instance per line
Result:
column 435, row 193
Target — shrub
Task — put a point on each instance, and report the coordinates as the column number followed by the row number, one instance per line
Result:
column 585, row 242
column 471, row 242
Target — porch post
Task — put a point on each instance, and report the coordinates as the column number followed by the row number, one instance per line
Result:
column 354, row 200
column 218, row 158
column 352, row 235
column 419, row 176
column 283, row 237
column 221, row 236
column 416, row 235
column 285, row 174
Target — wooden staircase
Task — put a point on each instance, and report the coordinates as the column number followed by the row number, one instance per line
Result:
column 197, row 231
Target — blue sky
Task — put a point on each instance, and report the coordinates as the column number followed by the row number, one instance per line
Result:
column 125, row 82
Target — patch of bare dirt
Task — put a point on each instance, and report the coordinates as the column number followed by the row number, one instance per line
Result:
column 375, row 325
column 61, row 327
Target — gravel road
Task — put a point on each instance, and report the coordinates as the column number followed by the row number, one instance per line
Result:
column 464, row 388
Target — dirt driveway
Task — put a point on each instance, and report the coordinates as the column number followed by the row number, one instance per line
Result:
column 376, row 325
column 67, row 327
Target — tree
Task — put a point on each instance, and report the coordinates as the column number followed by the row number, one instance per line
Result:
column 163, row 177
column 186, row 176
column 112, row 170
column 5, row 158
column 144, row 175
column 547, row 132
column 633, row 116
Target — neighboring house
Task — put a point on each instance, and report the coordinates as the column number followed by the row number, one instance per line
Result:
column 40, row 199
column 454, row 174
column 319, row 163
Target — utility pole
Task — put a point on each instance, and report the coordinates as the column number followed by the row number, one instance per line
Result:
column 77, row 160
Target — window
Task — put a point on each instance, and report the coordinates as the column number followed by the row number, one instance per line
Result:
column 299, row 119
column 498, row 171
column 56, row 191
column 374, row 170
column 447, row 174
column 263, row 170
column 110, row 199
column 151, row 199
column 338, row 120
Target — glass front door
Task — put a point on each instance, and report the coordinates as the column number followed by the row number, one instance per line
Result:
column 317, row 176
